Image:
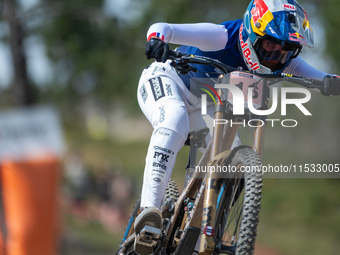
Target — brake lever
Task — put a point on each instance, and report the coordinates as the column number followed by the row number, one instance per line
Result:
column 183, row 68
column 175, row 55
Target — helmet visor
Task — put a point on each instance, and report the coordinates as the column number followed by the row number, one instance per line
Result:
column 272, row 53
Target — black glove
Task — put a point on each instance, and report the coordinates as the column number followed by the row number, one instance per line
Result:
column 156, row 48
column 331, row 85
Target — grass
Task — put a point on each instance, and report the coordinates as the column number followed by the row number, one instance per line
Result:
column 87, row 238
column 301, row 216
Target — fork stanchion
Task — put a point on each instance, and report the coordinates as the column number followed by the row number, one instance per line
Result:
column 258, row 145
column 229, row 136
column 218, row 129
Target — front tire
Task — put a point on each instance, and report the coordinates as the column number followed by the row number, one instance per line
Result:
column 237, row 214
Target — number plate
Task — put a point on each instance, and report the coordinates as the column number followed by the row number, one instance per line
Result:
column 246, row 80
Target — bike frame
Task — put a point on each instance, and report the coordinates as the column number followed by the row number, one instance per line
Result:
column 206, row 188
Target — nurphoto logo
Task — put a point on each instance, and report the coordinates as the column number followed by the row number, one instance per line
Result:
column 249, row 95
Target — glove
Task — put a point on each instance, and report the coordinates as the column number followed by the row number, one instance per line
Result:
column 331, row 85
column 156, row 48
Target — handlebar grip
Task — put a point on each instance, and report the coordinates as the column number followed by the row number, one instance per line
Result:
column 317, row 82
column 174, row 54
column 304, row 81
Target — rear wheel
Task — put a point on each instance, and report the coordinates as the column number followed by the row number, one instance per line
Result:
column 171, row 192
column 237, row 214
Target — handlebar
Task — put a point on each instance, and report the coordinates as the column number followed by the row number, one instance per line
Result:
column 194, row 59
column 182, row 60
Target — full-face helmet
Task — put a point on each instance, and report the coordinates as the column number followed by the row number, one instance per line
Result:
column 272, row 33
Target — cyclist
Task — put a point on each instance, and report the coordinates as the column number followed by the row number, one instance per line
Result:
column 268, row 39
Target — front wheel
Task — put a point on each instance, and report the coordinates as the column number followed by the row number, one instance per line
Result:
column 238, row 206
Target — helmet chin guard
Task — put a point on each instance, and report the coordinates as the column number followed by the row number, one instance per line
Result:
column 284, row 22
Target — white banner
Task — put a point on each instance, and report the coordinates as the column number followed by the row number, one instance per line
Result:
column 30, row 133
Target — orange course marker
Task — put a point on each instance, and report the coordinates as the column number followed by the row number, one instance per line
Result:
column 30, row 209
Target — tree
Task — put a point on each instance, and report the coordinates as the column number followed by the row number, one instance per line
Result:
column 99, row 54
column 329, row 10
column 22, row 89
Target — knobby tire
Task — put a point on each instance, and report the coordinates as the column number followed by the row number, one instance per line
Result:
column 237, row 214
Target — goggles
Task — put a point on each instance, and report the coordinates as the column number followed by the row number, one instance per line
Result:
column 269, row 49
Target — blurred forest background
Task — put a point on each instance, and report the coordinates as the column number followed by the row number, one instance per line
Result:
column 85, row 56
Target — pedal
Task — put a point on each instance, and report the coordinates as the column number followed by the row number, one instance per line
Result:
column 148, row 236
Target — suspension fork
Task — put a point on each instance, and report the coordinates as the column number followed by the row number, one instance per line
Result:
column 259, row 134
column 222, row 138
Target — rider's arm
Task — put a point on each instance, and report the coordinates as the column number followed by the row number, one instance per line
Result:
column 300, row 67
column 205, row 36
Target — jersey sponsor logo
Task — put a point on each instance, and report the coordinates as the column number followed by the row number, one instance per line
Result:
column 156, row 34
column 161, row 157
column 163, row 133
column 143, row 93
column 247, row 52
column 154, row 70
column 159, row 165
column 168, row 89
column 163, row 149
column 156, row 179
column 159, row 176
column 161, row 113
column 157, row 88
column 158, row 171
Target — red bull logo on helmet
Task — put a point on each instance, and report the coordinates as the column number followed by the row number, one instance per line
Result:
column 259, row 9
column 296, row 37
